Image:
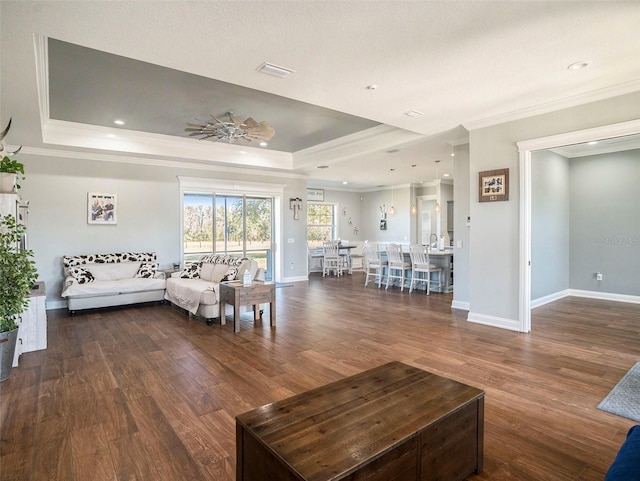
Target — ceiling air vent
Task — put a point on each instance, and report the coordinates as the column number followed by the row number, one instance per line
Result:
column 275, row 70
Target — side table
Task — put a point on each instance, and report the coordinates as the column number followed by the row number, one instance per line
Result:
column 258, row 292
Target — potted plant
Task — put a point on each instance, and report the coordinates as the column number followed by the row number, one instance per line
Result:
column 9, row 168
column 17, row 276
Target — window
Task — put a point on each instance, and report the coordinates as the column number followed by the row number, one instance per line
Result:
column 321, row 223
column 241, row 225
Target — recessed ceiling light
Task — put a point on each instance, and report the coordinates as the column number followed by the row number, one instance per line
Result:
column 345, row 182
column 453, row 154
column 322, row 167
column 275, row 70
column 593, row 142
column 263, row 144
column 414, row 113
column 243, row 152
column 445, row 175
column 118, row 122
column 372, row 87
column 579, row 65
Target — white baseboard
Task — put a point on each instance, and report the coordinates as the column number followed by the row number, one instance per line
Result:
column 493, row 321
column 464, row 305
column 295, row 279
column 605, row 296
column 541, row 301
column 56, row 305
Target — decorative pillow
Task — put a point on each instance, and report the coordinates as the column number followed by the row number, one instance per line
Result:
column 147, row 271
column 191, row 271
column 83, row 276
column 231, row 274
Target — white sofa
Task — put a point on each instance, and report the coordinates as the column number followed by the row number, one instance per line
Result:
column 105, row 280
column 195, row 288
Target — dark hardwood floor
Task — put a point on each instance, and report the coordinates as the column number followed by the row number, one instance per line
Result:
column 146, row 393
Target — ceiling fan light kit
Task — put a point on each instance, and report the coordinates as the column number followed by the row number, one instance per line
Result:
column 231, row 130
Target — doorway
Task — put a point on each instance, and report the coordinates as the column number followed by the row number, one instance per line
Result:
column 427, row 219
column 525, row 148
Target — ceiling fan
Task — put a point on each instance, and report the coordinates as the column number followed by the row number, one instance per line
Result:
column 231, row 130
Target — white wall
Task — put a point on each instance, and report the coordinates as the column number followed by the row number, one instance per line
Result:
column 351, row 203
column 605, row 223
column 461, row 195
column 550, row 214
column 398, row 225
column 494, row 263
column 148, row 213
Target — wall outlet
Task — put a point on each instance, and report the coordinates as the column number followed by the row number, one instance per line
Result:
column 291, row 241
column 459, row 244
column 598, row 276
column 292, row 265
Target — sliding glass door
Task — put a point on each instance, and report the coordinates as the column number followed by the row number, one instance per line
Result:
column 237, row 225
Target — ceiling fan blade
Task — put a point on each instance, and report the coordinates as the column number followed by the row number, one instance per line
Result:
column 235, row 120
column 250, row 123
column 263, row 131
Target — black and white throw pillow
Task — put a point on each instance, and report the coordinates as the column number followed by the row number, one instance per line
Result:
column 83, row 276
column 146, row 270
column 191, row 271
column 231, row 274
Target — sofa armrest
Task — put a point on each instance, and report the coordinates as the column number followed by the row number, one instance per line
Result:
column 160, row 275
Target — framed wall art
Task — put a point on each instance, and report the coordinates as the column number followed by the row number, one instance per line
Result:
column 494, row 185
column 102, row 208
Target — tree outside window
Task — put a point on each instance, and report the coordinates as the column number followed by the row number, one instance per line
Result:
column 321, row 223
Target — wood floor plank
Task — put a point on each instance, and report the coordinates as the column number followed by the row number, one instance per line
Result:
column 147, row 393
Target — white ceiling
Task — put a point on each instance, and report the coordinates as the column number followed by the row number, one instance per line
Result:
column 463, row 64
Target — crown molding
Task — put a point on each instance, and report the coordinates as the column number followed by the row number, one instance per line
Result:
column 156, row 162
column 573, row 101
column 579, row 136
column 369, row 140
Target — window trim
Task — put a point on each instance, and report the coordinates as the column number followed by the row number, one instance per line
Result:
column 196, row 185
column 336, row 213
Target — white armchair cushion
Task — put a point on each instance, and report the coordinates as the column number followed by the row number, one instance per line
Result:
column 213, row 272
column 113, row 271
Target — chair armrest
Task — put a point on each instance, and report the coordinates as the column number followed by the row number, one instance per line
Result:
column 160, row 275
column 259, row 274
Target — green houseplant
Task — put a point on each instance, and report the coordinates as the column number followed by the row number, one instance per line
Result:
column 17, row 275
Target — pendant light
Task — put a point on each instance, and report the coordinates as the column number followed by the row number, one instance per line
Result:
column 437, row 206
column 392, row 210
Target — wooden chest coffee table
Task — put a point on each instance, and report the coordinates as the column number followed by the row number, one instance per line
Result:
column 391, row 423
column 256, row 293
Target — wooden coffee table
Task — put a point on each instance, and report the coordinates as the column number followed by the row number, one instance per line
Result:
column 258, row 292
column 393, row 422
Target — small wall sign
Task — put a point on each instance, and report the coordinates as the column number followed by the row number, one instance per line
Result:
column 315, row 195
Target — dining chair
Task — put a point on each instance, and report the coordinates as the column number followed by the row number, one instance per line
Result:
column 374, row 265
column 397, row 265
column 331, row 259
column 357, row 262
column 420, row 265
